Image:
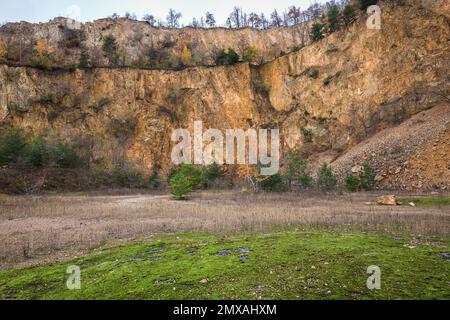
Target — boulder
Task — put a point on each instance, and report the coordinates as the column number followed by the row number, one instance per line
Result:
column 387, row 200
column 357, row 169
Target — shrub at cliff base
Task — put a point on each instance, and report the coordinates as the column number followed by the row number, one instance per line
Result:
column 181, row 186
column 326, row 180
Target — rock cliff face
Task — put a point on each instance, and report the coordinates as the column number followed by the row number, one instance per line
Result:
column 325, row 98
column 137, row 42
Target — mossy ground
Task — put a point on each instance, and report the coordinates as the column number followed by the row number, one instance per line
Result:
column 284, row 265
column 426, row 201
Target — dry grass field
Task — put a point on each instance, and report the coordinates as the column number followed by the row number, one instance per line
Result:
column 35, row 230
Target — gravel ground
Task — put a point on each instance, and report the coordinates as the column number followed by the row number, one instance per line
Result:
column 407, row 156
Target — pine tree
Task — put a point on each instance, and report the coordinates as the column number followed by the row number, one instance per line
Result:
column 317, row 31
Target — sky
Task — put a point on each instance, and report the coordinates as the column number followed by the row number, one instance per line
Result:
column 88, row 10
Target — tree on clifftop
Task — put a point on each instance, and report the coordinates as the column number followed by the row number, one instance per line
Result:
column 173, row 19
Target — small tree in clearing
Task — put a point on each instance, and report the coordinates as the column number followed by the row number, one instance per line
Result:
column 296, row 170
column 367, row 178
column 352, row 182
column 326, row 180
column 181, row 186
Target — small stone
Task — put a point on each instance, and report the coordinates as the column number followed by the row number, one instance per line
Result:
column 204, row 281
column 357, row 169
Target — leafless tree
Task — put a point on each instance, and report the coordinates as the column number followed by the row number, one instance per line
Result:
column 275, row 19
column 294, row 14
column 130, row 16
column 173, row 18
column 235, row 19
column 195, row 23
column 264, row 22
column 210, row 20
column 254, row 20
column 150, row 19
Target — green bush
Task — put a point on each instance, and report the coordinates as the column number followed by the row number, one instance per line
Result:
column 352, row 182
column 211, row 173
column 12, row 146
column 367, row 178
column 326, row 180
column 37, row 153
column 181, row 186
column 364, row 4
column 349, row 14
column 296, row 169
column 364, row 181
column 333, row 19
column 41, row 61
column 154, row 181
column 273, row 183
column 194, row 175
column 317, row 31
column 227, row 57
column 128, row 176
column 109, row 47
column 84, row 61
column 64, row 155
column 306, row 180
column 250, row 55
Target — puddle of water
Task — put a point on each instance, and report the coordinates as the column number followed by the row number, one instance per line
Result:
column 445, row 255
column 146, row 260
column 160, row 282
column 155, row 251
column 228, row 251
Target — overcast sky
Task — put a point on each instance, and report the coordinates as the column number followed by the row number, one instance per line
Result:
column 44, row 10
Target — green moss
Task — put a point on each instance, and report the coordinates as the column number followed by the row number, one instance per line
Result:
column 287, row 265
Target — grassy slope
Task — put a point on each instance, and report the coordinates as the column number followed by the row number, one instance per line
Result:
column 288, row 265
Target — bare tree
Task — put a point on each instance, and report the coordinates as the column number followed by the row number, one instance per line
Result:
column 173, row 18
column 285, row 19
column 130, row 16
column 228, row 23
column 210, row 20
column 254, row 20
column 235, row 19
column 294, row 14
column 275, row 19
column 150, row 19
column 264, row 22
column 195, row 23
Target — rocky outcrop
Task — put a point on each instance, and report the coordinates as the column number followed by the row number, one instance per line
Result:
column 141, row 45
column 326, row 98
